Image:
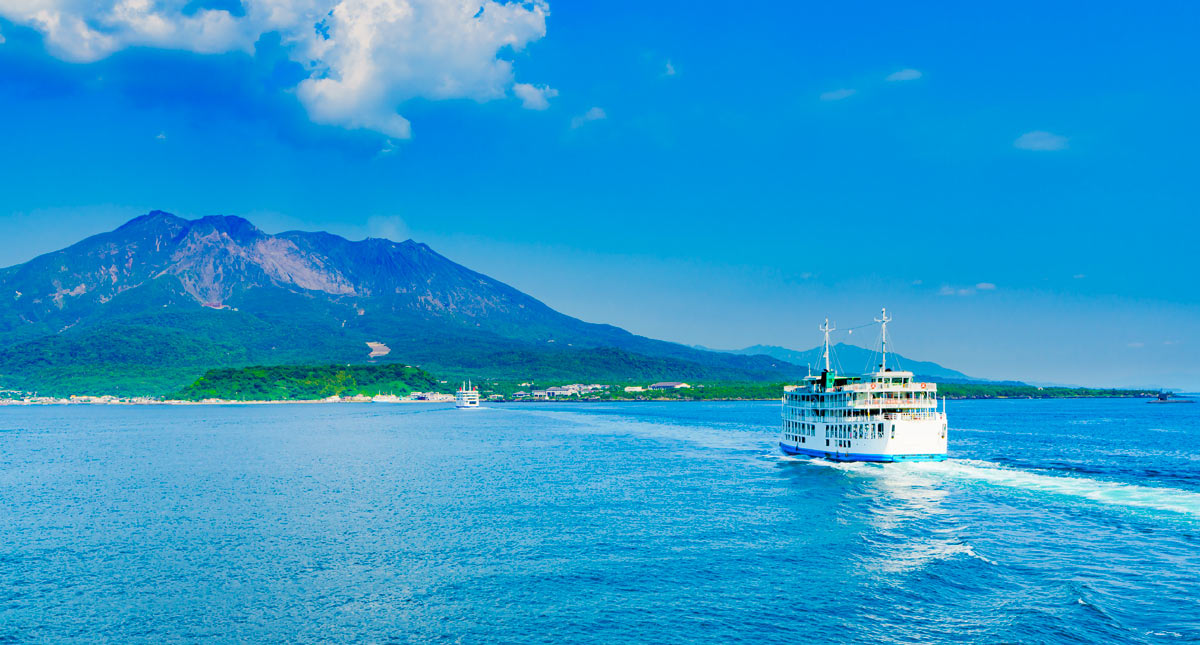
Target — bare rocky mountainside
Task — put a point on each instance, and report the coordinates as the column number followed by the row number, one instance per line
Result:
column 149, row 306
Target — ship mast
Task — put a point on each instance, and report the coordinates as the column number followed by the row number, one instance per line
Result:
column 883, row 320
column 826, row 328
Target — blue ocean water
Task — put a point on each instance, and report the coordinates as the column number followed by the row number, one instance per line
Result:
column 1053, row 522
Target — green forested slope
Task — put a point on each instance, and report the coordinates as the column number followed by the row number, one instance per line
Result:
column 306, row 383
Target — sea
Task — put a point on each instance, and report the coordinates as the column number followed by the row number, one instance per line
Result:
column 1053, row 521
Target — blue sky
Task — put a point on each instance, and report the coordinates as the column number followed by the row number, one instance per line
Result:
column 1015, row 181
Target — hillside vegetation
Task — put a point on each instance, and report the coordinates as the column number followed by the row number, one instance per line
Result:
column 308, row 383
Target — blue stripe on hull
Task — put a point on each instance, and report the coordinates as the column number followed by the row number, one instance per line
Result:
column 853, row 456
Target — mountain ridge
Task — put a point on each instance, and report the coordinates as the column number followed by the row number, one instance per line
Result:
column 853, row 358
column 161, row 294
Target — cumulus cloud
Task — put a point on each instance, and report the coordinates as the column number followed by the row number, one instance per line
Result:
column 161, row 136
column 594, row 114
column 837, row 95
column 905, row 75
column 986, row 286
column 363, row 57
column 669, row 70
column 534, row 97
column 1041, row 140
column 81, row 31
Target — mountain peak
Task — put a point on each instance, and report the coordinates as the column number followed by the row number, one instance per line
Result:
column 152, row 218
column 236, row 227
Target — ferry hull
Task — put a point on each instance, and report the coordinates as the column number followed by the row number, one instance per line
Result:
column 853, row 456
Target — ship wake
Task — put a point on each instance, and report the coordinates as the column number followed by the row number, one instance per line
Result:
column 1172, row 500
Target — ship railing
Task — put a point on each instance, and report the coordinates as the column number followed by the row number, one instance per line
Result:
column 894, row 403
column 907, row 415
column 890, row 387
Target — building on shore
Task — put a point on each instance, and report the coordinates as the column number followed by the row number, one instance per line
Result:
column 670, row 385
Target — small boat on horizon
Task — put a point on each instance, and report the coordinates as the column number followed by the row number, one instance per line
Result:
column 883, row 416
column 1170, row 397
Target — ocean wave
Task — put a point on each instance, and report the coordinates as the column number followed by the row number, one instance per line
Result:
column 919, row 553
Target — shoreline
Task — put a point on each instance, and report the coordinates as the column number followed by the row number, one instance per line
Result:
column 47, row 401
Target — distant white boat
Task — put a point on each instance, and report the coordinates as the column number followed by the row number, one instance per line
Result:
column 466, row 397
column 881, row 416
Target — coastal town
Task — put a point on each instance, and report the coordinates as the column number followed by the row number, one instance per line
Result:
column 572, row 391
column 583, row 391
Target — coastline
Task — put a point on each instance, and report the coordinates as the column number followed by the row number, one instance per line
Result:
column 47, row 401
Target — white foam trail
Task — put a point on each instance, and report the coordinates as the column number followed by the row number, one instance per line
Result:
column 927, row 473
column 1113, row 493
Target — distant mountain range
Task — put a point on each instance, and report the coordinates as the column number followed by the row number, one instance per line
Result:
column 148, row 307
column 854, row 359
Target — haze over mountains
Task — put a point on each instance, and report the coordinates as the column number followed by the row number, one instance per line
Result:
column 149, row 306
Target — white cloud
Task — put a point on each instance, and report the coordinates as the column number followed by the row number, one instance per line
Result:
column 594, row 114
column 2, row 41
column 917, row 283
column 1136, row 345
column 948, row 290
column 534, row 97
column 1079, row 276
column 363, row 57
column 986, row 286
column 837, row 95
column 161, row 136
column 81, row 31
column 669, row 70
column 905, row 75
column 1041, row 140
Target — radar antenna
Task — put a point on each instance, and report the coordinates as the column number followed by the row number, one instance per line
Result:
column 826, row 328
column 883, row 320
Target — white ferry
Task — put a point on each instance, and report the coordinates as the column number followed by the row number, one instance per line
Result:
column 882, row 416
column 466, row 397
